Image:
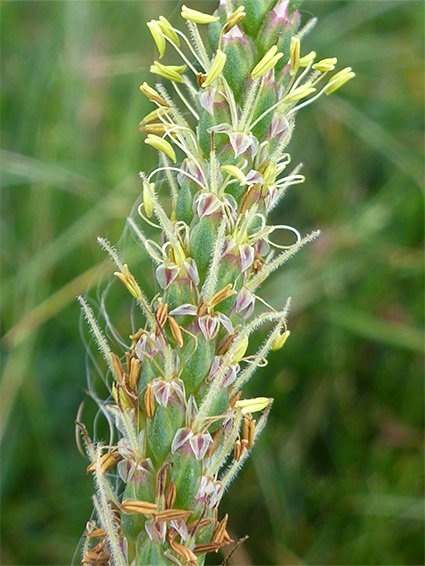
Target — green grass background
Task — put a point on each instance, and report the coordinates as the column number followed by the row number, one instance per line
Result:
column 337, row 477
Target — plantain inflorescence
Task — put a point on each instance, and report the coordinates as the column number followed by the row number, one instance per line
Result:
column 182, row 425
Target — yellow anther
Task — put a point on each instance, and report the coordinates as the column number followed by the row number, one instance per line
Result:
column 123, row 401
column 339, row 79
column 179, row 255
column 294, row 51
column 157, row 35
column 234, row 172
column 325, row 65
column 161, row 145
column 197, row 17
column 147, row 199
column 269, row 171
column 151, row 93
column 153, row 116
column 170, row 72
column 252, row 405
column 216, row 68
column 298, row 93
column 168, row 30
column 267, row 62
column 240, row 350
column 233, row 19
column 307, row 59
column 128, row 281
column 280, row 340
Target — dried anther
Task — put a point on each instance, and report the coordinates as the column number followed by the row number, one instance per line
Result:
column 107, row 462
column 149, row 401
column 184, row 552
column 138, row 507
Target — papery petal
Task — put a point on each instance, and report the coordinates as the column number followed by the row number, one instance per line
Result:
column 254, row 177
column 207, row 99
column 192, row 270
column 186, row 309
column 281, row 9
column 165, row 275
column 162, row 390
column 262, row 247
column 180, row 438
column 156, row 530
column 246, row 253
column 192, row 408
column 221, row 128
column 230, row 376
column 206, row 204
column 180, row 527
column 218, row 492
column 225, row 321
column 240, row 142
column 209, row 326
column 199, row 444
column 279, row 126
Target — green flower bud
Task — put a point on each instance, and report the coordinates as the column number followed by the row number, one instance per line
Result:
column 150, row 553
column 162, row 428
column 256, row 11
column 186, row 474
column 239, row 62
column 268, row 98
column 184, row 209
column 196, row 359
column 202, row 242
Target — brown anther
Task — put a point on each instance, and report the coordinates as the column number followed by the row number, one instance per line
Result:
column 116, row 511
column 226, row 344
column 135, row 338
column 200, row 79
column 233, row 400
column 184, row 552
column 158, row 128
column 251, row 433
column 213, row 446
column 172, row 514
column 96, row 556
column 202, row 310
column 175, row 331
column 97, row 533
column 128, row 357
column 153, row 95
column 237, row 450
column 138, row 507
column 248, row 198
column 244, row 445
column 245, row 427
column 134, row 372
column 107, row 461
column 149, row 401
column 227, row 539
column 220, row 530
column 222, row 295
column 206, row 547
column 171, row 495
column 118, row 369
column 257, row 264
column 161, row 314
column 161, row 479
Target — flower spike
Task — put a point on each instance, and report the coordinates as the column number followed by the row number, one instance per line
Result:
column 180, row 427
